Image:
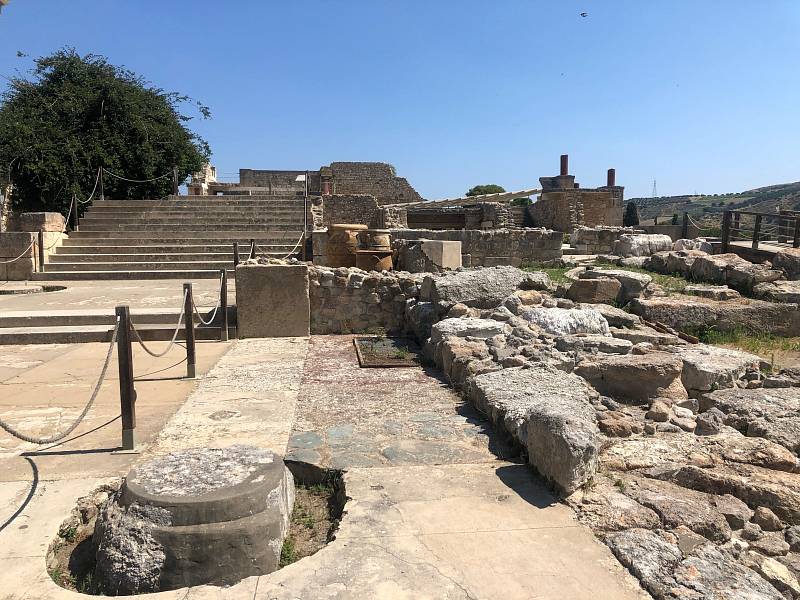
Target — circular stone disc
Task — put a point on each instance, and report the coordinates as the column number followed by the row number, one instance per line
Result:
column 206, row 485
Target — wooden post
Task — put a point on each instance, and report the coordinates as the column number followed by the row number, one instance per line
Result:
column 102, row 191
column 188, row 317
column 175, row 186
column 737, row 218
column 796, row 241
column 756, row 232
column 74, row 217
column 235, row 254
column 127, row 393
column 41, row 251
column 783, row 227
column 685, row 227
column 223, row 306
column 726, row 230
column 252, row 248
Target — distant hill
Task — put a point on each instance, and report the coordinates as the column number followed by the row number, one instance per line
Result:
column 708, row 208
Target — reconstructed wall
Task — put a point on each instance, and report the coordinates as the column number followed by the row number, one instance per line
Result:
column 597, row 240
column 362, row 209
column 353, row 301
column 564, row 210
column 495, row 246
column 482, row 215
column 373, row 178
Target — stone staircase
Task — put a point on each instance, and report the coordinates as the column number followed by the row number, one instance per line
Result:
column 189, row 237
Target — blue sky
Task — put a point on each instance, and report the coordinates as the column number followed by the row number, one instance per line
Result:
column 702, row 96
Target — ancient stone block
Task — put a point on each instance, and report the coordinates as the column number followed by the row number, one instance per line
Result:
column 272, row 300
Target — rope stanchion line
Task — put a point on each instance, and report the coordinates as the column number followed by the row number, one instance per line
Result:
column 60, row 436
column 135, row 180
column 172, row 341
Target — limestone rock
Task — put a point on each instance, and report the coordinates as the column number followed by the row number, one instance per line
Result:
column 693, row 244
column 708, row 368
column 562, row 321
column 770, row 544
column 617, row 424
column 778, row 291
column 650, row 558
column 732, row 270
column 646, row 335
column 736, row 512
column 549, row 413
column 709, row 422
column 714, row 292
column 776, row 573
column 773, row 414
column 635, row 378
column 467, row 326
column 601, row 343
column 788, row 261
column 601, row 290
column 633, row 284
column 677, row 506
column 605, row 509
column 636, row 244
column 479, row 288
column 792, row 536
column 767, row 520
column 659, row 412
column 616, row 317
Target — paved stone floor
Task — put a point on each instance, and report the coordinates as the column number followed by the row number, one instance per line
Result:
column 437, row 506
column 85, row 295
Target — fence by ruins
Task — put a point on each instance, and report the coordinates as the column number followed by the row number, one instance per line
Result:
column 761, row 231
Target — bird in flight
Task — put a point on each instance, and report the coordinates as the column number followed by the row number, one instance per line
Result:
column 584, row 14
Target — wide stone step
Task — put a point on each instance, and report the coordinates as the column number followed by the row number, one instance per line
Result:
column 242, row 213
column 179, row 226
column 185, row 207
column 141, row 317
column 73, row 334
column 162, row 249
column 155, row 204
column 157, row 257
column 173, row 265
column 185, row 275
column 83, row 238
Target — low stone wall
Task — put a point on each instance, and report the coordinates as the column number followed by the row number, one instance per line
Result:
column 497, row 246
column 596, row 240
column 360, row 209
column 12, row 245
column 349, row 300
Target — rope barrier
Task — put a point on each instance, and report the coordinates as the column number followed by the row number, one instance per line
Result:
column 96, row 181
column 295, row 247
column 8, row 262
column 216, row 308
column 174, row 335
column 60, row 436
column 136, row 180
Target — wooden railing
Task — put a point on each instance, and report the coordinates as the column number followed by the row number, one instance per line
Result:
column 776, row 229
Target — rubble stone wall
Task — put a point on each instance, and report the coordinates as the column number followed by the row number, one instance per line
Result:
column 566, row 209
column 363, row 209
column 349, row 300
column 496, row 246
column 373, row 178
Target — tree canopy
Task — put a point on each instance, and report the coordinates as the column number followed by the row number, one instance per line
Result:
column 489, row 188
column 73, row 114
column 631, row 215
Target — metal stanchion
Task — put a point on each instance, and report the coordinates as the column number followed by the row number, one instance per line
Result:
column 235, row 254
column 223, row 306
column 127, row 393
column 252, row 248
column 189, row 319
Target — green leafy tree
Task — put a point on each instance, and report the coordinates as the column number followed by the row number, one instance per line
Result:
column 73, row 114
column 675, row 219
column 631, row 215
column 489, row 188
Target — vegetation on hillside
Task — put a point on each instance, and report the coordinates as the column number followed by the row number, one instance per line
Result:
column 73, row 114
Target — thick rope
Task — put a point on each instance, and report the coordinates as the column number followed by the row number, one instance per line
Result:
column 60, row 436
column 174, row 335
column 295, row 247
column 96, row 180
column 24, row 252
column 136, row 180
column 216, row 308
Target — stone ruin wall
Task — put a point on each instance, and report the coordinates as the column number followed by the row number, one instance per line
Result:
column 497, row 246
column 362, row 209
column 564, row 210
column 349, row 300
column 373, row 178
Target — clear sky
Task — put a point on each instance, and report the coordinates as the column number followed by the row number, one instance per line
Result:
column 700, row 95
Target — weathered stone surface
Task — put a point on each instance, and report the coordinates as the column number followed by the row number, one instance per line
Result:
column 771, row 543
column 693, row 244
column 549, row 413
column 196, row 516
column 566, row 321
column 616, row 317
column 641, row 244
column 427, row 256
column 709, row 422
column 778, row 291
column 467, row 326
column 272, row 300
column 633, row 284
column 776, row 573
column 714, row 292
column 457, row 354
column 615, row 423
column 635, row 378
column 34, row 221
column 659, row 411
column 687, row 312
column 736, row 512
column 777, row 490
column 601, row 290
column 708, row 368
column 479, row 288
column 676, row 506
column 601, row 343
column 788, row 261
column 710, row 574
column 767, row 520
column 773, row 413
column 732, row 270
column 646, row 335
column 669, row 263
column 648, row 556
column 792, row 536
column 605, row 509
